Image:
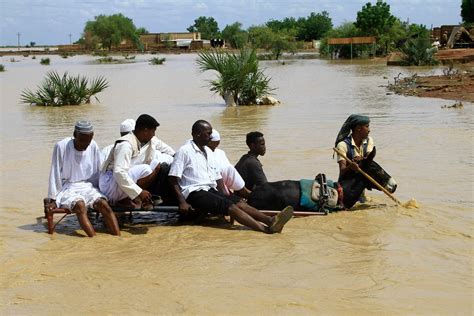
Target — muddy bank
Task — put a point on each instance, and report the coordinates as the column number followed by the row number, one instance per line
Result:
column 458, row 86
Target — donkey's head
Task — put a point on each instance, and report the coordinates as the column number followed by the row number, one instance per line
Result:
column 374, row 170
column 354, row 183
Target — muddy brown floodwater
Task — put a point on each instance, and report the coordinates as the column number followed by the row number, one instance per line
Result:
column 379, row 258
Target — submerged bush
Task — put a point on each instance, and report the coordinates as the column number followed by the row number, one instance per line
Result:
column 157, row 61
column 45, row 61
column 239, row 78
column 58, row 90
column 2, row 68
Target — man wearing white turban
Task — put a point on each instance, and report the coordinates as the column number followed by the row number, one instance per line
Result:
column 230, row 176
column 74, row 176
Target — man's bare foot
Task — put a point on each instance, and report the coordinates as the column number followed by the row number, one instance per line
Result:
column 127, row 203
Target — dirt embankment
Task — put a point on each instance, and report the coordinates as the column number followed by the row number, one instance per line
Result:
column 457, row 86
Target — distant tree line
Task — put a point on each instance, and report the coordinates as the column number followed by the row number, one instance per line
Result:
column 288, row 34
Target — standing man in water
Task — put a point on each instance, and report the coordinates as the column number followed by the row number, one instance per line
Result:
column 74, row 176
column 249, row 167
column 195, row 179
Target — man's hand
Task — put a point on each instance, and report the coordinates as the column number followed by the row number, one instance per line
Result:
column 145, row 196
column 353, row 165
column 185, row 208
column 51, row 205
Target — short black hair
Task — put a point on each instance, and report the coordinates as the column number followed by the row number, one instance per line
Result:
column 146, row 121
column 251, row 137
column 199, row 126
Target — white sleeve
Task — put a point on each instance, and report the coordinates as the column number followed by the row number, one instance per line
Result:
column 178, row 165
column 122, row 163
column 162, row 147
column 55, row 183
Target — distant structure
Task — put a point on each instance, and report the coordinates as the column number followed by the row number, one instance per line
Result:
column 154, row 42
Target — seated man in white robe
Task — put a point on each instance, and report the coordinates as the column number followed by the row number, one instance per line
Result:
column 163, row 152
column 130, row 168
column 233, row 182
column 74, row 177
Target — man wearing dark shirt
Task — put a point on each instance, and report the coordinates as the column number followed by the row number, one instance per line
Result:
column 249, row 167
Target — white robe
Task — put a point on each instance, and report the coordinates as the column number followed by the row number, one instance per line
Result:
column 74, row 174
column 231, row 177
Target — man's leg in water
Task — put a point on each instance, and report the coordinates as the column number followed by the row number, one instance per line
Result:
column 80, row 210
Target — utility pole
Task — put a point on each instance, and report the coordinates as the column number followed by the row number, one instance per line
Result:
column 70, row 41
column 18, row 34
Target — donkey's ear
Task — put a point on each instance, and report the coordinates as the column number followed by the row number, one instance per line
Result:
column 371, row 156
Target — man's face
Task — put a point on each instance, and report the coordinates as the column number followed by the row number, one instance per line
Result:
column 148, row 134
column 259, row 146
column 213, row 144
column 82, row 141
column 204, row 136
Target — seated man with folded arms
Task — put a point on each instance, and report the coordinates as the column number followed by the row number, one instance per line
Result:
column 249, row 167
column 130, row 167
column 233, row 182
column 74, row 176
column 195, row 179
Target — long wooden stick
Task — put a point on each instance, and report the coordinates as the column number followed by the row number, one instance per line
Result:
column 340, row 153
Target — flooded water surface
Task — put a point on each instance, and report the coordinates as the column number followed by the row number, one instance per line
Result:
column 379, row 258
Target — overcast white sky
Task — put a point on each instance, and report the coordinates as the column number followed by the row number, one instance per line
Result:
column 51, row 21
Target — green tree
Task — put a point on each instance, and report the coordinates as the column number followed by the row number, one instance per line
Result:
column 315, row 26
column 467, row 11
column 418, row 50
column 234, row 35
column 276, row 42
column 376, row 20
column 141, row 31
column 111, row 30
column 207, row 26
column 240, row 81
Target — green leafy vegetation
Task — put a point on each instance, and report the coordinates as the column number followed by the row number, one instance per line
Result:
column 467, row 11
column 2, row 68
column 418, row 50
column 207, row 26
column 157, row 61
column 56, row 90
column 263, row 37
column 235, row 36
column 110, row 31
column 240, row 81
column 45, row 61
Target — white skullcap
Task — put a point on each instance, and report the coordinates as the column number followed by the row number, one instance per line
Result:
column 215, row 136
column 127, row 126
column 84, row 127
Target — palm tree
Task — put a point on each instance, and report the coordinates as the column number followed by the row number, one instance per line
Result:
column 239, row 81
column 58, row 90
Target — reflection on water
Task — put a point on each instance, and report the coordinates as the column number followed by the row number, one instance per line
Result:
column 380, row 258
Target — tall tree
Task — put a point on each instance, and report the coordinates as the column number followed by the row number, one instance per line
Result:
column 112, row 30
column 315, row 26
column 376, row 20
column 467, row 11
column 234, row 35
column 207, row 26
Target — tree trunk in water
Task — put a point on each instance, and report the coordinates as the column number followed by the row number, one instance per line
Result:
column 229, row 99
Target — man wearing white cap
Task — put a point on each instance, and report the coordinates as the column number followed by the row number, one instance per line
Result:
column 230, row 176
column 126, row 127
column 74, row 177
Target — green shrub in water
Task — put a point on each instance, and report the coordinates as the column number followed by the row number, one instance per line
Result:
column 58, row 90
column 45, row 61
column 157, row 61
column 2, row 68
column 239, row 78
